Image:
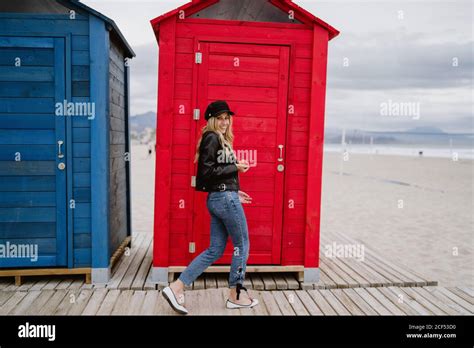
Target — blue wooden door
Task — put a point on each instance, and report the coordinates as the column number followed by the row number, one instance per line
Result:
column 33, row 205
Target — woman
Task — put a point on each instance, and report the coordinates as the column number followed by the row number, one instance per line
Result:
column 218, row 174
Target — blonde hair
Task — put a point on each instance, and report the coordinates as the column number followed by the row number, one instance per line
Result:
column 226, row 139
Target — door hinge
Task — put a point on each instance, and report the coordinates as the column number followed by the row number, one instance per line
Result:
column 196, row 114
column 198, row 58
column 192, row 247
column 193, row 181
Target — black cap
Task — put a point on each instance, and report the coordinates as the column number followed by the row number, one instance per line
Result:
column 216, row 108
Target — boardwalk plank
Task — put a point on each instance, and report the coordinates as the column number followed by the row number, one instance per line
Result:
column 12, row 302
column 49, row 307
column 25, row 303
column 327, row 281
column 282, row 302
column 348, row 303
column 292, row 282
column 210, row 281
column 308, row 303
column 295, row 302
column 109, row 302
column 358, row 279
column 445, row 299
column 39, row 302
column 334, row 275
column 321, row 301
column 52, row 283
column 361, row 303
column 136, row 302
column 455, row 298
column 414, row 296
column 138, row 258
column 270, row 303
column 268, row 282
column 399, row 299
column 95, row 302
column 215, row 298
column 280, row 282
column 335, row 304
column 141, row 278
column 199, row 284
column 462, row 294
column 28, row 284
column 388, row 265
column 76, row 284
column 149, row 285
column 119, row 275
column 5, row 283
column 81, row 300
column 257, row 282
column 66, row 303
column 149, row 302
column 388, row 302
column 4, row 296
column 40, row 284
column 222, row 280
column 123, row 303
column 434, row 300
column 469, row 291
column 372, row 301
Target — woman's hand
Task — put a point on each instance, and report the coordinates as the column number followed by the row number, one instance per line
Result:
column 244, row 198
column 243, row 166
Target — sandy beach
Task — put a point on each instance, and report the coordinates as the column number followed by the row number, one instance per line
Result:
column 416, row 211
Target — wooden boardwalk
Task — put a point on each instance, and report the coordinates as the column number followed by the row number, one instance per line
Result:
column 348, row 301
column 372, row 286
column 133, row 270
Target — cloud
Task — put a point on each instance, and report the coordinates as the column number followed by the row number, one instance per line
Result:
column 144, row 77
column 392, row 61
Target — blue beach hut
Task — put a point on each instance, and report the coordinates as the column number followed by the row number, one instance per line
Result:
column 64, row 139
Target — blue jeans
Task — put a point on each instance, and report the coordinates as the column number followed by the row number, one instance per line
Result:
column 227, row 219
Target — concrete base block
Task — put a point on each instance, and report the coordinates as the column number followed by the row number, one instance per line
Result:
column 159, row 276
column 100, row 275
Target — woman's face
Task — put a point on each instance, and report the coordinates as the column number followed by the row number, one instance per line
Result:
column 223, row 122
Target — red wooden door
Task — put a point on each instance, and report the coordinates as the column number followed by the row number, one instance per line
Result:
column 253, row 79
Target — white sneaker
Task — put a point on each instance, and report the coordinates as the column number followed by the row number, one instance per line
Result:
column 231, row 305
column 176, row 304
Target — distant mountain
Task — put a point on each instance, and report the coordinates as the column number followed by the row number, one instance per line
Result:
column 415, row 136
column 140, row 122
column 423, row 130
column 418, row 135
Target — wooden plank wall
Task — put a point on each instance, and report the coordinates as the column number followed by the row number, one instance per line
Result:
column 245, row 10
column 297, row 138
column 118, row 179
column 78, row 29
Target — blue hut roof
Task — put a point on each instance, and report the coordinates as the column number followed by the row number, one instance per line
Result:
column 112, row 25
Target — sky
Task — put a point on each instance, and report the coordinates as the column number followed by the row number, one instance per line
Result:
column 395, row 53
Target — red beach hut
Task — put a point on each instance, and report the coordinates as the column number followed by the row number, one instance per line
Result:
column 268, row 60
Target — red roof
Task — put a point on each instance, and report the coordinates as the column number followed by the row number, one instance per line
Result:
column 285, row 5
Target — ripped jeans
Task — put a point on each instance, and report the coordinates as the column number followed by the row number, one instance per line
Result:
column 227, row 219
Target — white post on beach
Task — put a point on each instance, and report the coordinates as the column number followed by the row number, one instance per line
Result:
column 343, row 148
column 371, row 146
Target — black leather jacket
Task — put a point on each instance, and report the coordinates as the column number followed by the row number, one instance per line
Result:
column 215, row 172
